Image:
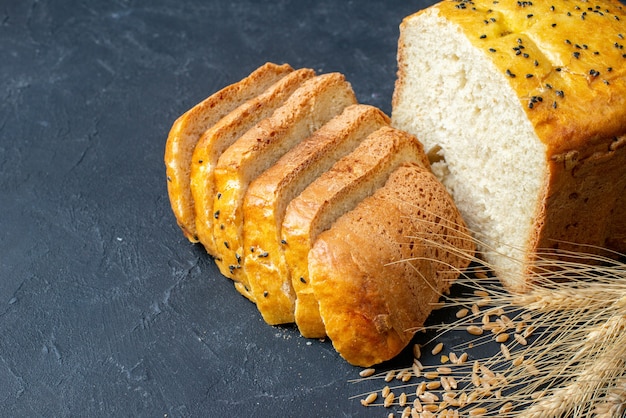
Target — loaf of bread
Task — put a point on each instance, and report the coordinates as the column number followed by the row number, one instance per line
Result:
column 223, row 134
column 318, row 100
column 286, row 157
column 268, row 196
column 379, row 269
column 334, row 193
column 522, row 108
column 188, row 128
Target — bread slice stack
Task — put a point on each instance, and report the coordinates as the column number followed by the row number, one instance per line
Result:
column 317, row 209
column 522, row 107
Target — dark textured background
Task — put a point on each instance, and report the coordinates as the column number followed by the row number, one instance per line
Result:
column 105, row 309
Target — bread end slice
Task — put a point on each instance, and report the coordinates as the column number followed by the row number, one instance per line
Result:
column 379, row 269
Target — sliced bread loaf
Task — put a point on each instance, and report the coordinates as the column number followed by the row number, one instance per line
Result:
column 268, row 196
column 223, row 134
column 312, row 105
column 188, row 128
column 334, row 193
column 379, row 269
column 523, row 108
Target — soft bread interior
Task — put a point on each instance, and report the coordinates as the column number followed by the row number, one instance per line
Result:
column 482, row 146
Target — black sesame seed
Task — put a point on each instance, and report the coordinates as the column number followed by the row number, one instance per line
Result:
column 529, row 15
column 216, row 215
column 554, row 25
column 219, row 196
column 510, row 74
column 558, row 69
column 251, row 249
column 302, row 280
column 560, row 93
column 222, row 226
column 200, row 161
column 493, row 19
column 549, row 86
column 284, row 242
column 609, row 69
column 531, row 105
column 619, row 35
column 536, row 63
column 525, row 55
column 576, row 55
column 492, row 50
column 238, row 257
column 169, row 178
column 567, row 41
column 594, row 73
column 483, row 36
column 554, row 105
column 265, row 293
column 606, row 82
column 265, row 254
column 226, row 245
column 552, row 8
column 529, row 76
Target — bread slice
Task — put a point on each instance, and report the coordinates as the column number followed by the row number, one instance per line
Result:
column 223, row 134
column 188, row 128
column 523, row 107
column 379, row 269
column 334, row 193
column 268, row 196
column 316, row 102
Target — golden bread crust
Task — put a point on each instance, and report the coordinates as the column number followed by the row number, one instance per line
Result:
column 566, row 62
column 376, row 276
column 267, row 197
column 332, row 194
column 307, row 109
column 223, row 134
column 188, row 128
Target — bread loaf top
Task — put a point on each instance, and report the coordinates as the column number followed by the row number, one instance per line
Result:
column 565, row 60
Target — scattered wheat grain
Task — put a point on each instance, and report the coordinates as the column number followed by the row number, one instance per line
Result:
column 474, row 330
column 462, row 313
column 389, row 400
column 369, row 399
column 367, row 372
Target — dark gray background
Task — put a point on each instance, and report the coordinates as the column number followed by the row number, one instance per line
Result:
column 105, row 309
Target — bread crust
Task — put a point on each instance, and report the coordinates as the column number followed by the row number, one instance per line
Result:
column 307, row 109
column 268, row 196
column 358, row 174
column 223, row 134
column 380, row 268
column 188, row 128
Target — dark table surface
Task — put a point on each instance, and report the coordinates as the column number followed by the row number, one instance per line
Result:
column 105, row 309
